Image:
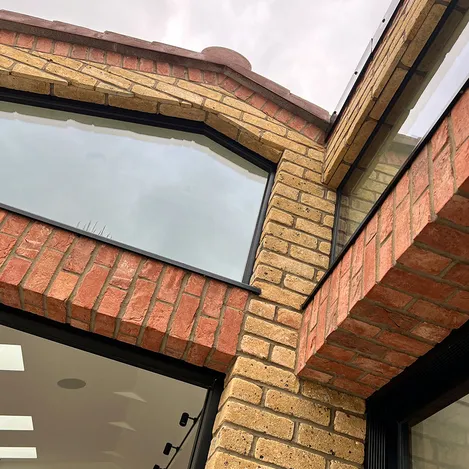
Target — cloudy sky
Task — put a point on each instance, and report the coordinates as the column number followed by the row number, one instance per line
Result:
column 308, row 46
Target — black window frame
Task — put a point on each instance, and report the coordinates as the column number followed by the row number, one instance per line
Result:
column 134, row 356
column 166, row 122
column 433, row 382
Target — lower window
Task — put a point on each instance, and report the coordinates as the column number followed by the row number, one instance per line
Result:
column 71, row 400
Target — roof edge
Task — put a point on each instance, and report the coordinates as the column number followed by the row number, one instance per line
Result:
column 127, row 45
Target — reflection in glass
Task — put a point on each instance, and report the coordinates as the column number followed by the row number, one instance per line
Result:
column 442, row 440
column 174, row 194
column 439, row 76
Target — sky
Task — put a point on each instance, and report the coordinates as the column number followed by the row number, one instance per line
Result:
column 309, row 46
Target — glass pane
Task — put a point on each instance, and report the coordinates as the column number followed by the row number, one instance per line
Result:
column 84, row 411
column 442, row 440
column 439, row 76
column 174, row 194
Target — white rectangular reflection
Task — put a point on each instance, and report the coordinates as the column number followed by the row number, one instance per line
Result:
column 16, row 422
column 25, row 452
column 11, row 358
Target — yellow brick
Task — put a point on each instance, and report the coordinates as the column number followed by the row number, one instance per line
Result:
column 311, row 257
column 266, row 374
column 255, row 346
column 220, row 124
column 102, row 75
column 111, row 89
column 290, row 404
column 274, row 244
column 285, row 191
column 25, row 71
column 329, row 443
column 242, row 125
column 253, row 143
column 58, row 59
column 299, row 183
column 302, row 160
column 179, row 93
column 317, row 154
column 255, row 419
column 296, row 208
column 24, row 84
column 266, row 272
column 220, row 108
column 271, row 331
column 264, row 124
column 201, row 90
column 242, row 390
column 325, row 247
column 183, row 112
column 291, row 168
column 163, row 78
column 79, row 94
column 75, row 78
column 150, row 94
column 350, row 425
column 298, row 284
column 318, row 203
column 283, row 356
column 242, row 106
column 132, row 76
column 233, row 439
column 287, row 456
column 341, row 465
column 332, row 397
column 286, row 264
column 5, row 62
column 279, row 216
column 280, row 295
column 222, row 460
column 289, row 318
column 293, row 236
column 134, row 104
column 20, row 56
column 282, row 143
column 388, row 93
column 314, row 229
column 261, row 308
column 297, row 137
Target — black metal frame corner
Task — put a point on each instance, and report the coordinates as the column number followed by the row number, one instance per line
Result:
column 155, row 120
column 433, row 382
column 65, row 334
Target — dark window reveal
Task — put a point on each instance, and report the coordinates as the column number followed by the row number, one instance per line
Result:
column 175, row 194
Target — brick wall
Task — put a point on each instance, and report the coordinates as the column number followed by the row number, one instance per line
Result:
column 403, row 286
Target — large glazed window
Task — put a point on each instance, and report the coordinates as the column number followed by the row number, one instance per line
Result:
column 174, row 194
column 435, row 79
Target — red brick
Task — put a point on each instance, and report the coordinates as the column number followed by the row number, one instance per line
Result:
column 107, row 255
column 297, row 123
column 96, row 55
column 386, row 218
column 431, row 332
column 62, row 48
column 374, row 381
column 460, row 119
column 416, row 284
column 229, row 84
column 58, row 294
column 44, row 45
column 361, row 390
column 447, row 239
column 343, row 300
column 243, row 93
column 178, row 71
column 345, row 263
column 404, row 343
column 402, row 233
column 3, row 215
column 385, row 258
column 137, row 307
column 195, row 284
column 456, row 210
column 357, row 254
column 147, row 65
column 125, row 271
column 130, row 62
column 151, row 270
column 336, row 353
column 360, row 328
column 388, row 296
column 184, row 317
column 460, row 300
column 356, row 289
column 330, row 366
column 424, row 261
column 34, row 240
column 371, row 229
column 289, row 318
column 315, row 375
column 175, row 347
column 7, row 37
column 25, row 40
column 270, row 108
column 79, row 325
column 210, row 77
column 88, row 292
column 14, row 225
column 257, row 101
column 80, row 255
column 399, row 359
column 312, row 132
column 459, row 273
column 61, row 240
column 172, row 279
column 205, row 332
column 421, row 214
column 419, row 174
column 284, row 116
column 108, row 310
column 163, row 68
column 402, row 190
column 126, row 338
column 351, row 341
column 112, row 58
column 195, row 74
column 324, row 291
column 6, row 246
column 443, row 182
column 461, row 167
column 439, row 138
column 156, row 326
column 237, row 298
column 40, row 276
column 334, row 292
column 321, row 325
column 214, row 298
column 381, row 317
column 437, row 314
column 14, row 271
column 229, row 331
column 369, row 267
column 377, row 367
column 79, row 52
